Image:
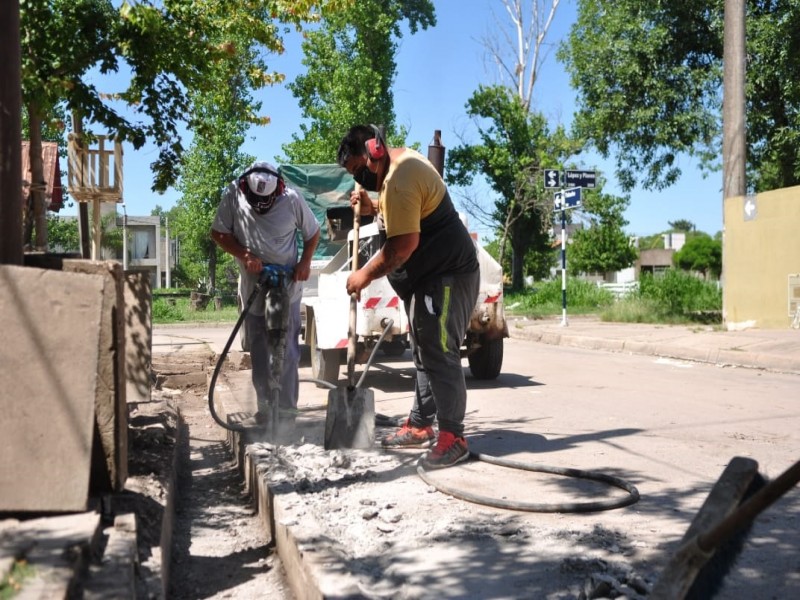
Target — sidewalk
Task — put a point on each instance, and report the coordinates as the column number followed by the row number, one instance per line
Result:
column 770, row 349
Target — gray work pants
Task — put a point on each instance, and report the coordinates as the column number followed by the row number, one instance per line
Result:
column 260, row 355
column 438, row 315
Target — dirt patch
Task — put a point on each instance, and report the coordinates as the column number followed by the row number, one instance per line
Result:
column 215, row 546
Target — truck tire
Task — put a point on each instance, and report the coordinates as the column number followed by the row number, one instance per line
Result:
column 486, row 361
column 324, row 361
column 393, row 348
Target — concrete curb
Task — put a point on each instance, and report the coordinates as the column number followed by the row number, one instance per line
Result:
column 769, row 361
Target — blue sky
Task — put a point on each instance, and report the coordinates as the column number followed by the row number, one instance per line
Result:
column 437, row 71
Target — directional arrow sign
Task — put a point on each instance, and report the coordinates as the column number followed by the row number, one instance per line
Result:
column 750, row 207
column 584, row 179
column 570, row 198
column 552, row 178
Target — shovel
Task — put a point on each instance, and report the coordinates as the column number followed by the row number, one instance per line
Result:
column 350, row 419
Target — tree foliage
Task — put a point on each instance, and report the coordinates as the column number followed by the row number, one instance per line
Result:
column 604, row 246
column 648, row 76
column 514, row 148
column 684, row 225
column 213, row 160
column 169, row 48
column 350, row 68
column 700, row 253
column 63, row 235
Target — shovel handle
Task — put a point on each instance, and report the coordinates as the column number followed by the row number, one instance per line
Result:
column 351, row 342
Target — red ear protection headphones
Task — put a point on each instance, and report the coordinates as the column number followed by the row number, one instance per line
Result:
column 375, row 147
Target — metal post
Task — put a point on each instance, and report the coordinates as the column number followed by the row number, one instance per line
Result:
column 169, row 269
column 124, row 238
column 564, row 322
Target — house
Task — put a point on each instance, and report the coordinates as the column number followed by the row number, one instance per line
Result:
column 147, row 248
column 54, row 192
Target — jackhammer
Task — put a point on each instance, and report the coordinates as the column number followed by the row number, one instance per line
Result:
column 276, row 280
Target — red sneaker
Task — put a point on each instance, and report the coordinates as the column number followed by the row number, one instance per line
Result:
column 409, row 436
column 450, row 450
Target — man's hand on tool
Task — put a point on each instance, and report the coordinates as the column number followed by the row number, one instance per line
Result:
column 252, row 263
column 302, row 271
column 358, row 281
column 359, row 197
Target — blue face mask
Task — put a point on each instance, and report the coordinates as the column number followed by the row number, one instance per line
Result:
column 366, row 179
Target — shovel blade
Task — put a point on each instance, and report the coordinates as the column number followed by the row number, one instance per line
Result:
column 350, row 419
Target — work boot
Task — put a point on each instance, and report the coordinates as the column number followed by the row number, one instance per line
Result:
column 408, row 436
column 449, row 450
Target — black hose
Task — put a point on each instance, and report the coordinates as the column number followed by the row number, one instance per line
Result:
column 562, row 507
column 221, row 360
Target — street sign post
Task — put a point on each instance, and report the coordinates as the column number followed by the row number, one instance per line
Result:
column 584, row 179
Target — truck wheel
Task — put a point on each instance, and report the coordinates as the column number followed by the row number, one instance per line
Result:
column 394, row 348
column 324, row 361
column 486, row 361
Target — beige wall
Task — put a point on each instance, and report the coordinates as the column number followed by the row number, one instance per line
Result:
column 759, row 253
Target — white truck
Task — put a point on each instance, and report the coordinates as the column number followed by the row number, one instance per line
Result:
column 326, row 314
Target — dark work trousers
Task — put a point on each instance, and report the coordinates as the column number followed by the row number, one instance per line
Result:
column 438, row 316
column 260, row 355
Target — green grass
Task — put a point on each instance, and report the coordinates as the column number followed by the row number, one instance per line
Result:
column 675, row 297
column 178, row 310
column 545, row 299
column 12, row 583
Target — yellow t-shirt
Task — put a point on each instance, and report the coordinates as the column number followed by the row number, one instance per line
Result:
column 411, row 191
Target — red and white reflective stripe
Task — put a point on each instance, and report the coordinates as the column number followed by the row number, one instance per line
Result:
column 490, row 298
column 381, row 302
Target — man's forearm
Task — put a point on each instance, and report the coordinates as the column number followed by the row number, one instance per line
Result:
column 230, row 245
column 385, row 261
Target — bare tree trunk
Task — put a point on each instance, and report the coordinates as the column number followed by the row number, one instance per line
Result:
column 212, row 267
column 38, row 195
column 10, row 136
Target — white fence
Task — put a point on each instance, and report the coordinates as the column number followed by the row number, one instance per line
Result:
column 620, row 290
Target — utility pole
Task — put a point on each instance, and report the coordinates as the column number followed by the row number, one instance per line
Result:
column 734, row 142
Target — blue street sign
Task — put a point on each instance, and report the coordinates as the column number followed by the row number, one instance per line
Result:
column 570, row 198
column 552, row 178
column 584, row 179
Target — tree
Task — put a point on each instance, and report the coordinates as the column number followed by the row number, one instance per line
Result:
column 63, row 234
column 700, row 253
column 211, row 163
column 170, row 49
column 350, row 69
column 514, row 149
column 515, row 141
column 604, row 246
column 648, row 76
column 682, row 225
